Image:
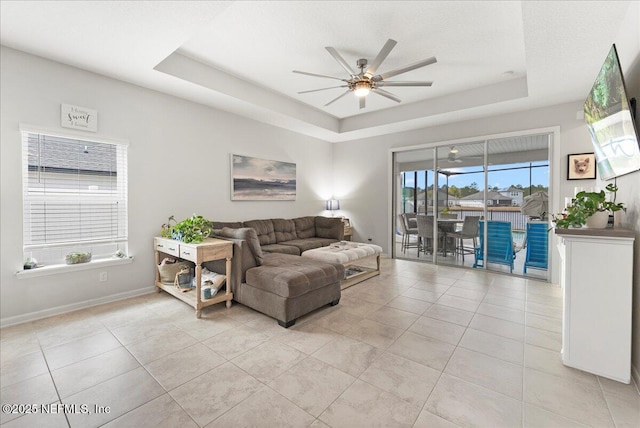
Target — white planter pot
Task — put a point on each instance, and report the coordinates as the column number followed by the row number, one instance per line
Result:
column 598, row 221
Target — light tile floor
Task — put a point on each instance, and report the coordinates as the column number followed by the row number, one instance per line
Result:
column 418, row 346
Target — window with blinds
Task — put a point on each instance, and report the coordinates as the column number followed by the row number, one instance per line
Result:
column 74, row 197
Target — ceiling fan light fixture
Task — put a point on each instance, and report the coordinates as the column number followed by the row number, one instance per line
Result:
column 453, row 150
column 362, row 88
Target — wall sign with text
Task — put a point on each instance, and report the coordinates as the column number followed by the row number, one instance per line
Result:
column 78, row 118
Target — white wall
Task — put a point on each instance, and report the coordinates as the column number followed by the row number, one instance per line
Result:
column 178, row 164
column 628, row 47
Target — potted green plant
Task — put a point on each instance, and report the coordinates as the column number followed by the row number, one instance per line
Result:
column 193, row 229
column 75, row 258
column 589, row 208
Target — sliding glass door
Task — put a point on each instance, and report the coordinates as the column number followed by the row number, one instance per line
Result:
column 461, row 193
column 462, row 189
column 518, row 178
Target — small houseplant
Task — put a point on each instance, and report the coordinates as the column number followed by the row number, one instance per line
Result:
column 193, row 229
column 587, row 205
column 75, row 258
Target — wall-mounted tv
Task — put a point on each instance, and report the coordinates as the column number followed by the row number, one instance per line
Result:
column 610, row 122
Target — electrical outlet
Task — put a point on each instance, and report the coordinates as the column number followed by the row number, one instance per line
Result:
column 103, row 276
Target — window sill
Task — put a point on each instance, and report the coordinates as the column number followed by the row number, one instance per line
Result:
column 56, row 269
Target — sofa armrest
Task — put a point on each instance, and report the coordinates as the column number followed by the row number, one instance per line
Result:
column 244, row 254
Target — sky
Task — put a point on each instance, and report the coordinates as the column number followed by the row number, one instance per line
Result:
column 262, row 169
column 501, row 179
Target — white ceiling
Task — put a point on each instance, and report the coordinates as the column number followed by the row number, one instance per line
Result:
column 500, row 151
column 493, row 56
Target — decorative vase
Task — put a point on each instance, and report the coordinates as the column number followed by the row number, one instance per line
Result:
column 598, row 221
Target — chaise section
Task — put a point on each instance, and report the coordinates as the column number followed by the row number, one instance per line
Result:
column 290, row 276
column 282, row 286
column 286, row 287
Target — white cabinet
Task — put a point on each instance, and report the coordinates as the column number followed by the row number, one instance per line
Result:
column 596, row 277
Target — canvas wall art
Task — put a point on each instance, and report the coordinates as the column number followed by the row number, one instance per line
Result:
column 581, row 166
column 254, row 179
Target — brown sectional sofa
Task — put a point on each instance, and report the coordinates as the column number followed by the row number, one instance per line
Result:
column 267, row 273
column 292, row 236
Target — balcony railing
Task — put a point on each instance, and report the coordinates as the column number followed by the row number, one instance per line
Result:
column 511, row 214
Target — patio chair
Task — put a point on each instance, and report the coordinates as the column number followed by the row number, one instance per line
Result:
column 469, row 231
column 406, row 233
column 536, row 242
column 499, row 244
column 410, row 221
column 425, row 234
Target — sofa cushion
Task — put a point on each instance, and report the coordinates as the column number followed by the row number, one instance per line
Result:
column 249, row 235
column 292, row 276
column 223, row 224
column 304, row 244
column 264, row 230
column 305, row 227
column 329, row 228
column 322, row 242
column 285, row 229
column 282, row 249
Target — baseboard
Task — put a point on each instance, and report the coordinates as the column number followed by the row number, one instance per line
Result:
column 635, row 375
column 32, row 316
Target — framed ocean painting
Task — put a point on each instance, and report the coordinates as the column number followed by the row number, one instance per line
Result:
column 255, row 179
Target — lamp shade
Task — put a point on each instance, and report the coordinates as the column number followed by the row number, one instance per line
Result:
column 333, row 204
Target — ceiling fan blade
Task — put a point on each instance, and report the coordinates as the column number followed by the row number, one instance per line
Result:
column 363, row 102
column 334, row 53
column 322, row 89
column 337, row 98
column 382, row 55
column 384, row 83
column 395, row 72
column 386, row 94
column 318, row 75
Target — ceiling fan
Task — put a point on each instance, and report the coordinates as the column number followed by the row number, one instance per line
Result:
column 453, row 156
column 366, row 81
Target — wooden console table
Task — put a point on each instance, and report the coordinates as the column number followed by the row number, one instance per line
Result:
column 209, row 250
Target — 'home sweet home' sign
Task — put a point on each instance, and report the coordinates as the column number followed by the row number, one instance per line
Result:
column 78, row 118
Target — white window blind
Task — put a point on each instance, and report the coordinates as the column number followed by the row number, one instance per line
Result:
column 74, row 197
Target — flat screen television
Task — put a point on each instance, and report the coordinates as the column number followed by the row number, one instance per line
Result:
column 610, row 122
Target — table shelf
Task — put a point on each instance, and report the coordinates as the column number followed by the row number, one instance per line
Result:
column 210, row 249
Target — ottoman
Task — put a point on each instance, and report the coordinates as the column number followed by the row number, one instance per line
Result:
column 286, row 287
column 349, row 254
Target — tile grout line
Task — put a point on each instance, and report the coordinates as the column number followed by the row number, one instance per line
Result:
column 66, row 417
column 606, row 401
